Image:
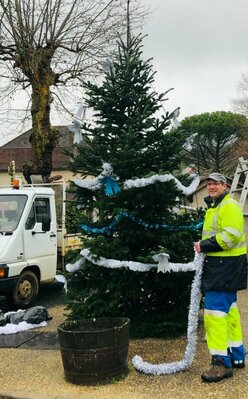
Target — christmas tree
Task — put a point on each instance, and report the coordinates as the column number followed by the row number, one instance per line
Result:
column 129, row 141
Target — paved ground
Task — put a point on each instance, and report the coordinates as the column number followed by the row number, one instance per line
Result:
column 38, row 373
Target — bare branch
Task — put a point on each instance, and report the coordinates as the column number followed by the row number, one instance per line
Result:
column 45, row 44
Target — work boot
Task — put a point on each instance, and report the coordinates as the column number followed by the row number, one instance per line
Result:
column 217, row 371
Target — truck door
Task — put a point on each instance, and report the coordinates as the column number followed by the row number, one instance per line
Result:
column 40, row 247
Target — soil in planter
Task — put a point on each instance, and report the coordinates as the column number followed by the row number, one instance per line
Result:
column 99, row 324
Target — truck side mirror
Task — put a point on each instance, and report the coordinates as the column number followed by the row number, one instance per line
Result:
column 46, row 224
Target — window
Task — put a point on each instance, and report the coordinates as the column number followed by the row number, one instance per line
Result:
column 40, row 210
column 11, row 209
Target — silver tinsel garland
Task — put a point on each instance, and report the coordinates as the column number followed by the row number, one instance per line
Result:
column 137, row 183
column 193, row 316
column 96, row 183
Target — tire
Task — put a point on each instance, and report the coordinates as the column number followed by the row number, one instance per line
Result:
column 25, row 292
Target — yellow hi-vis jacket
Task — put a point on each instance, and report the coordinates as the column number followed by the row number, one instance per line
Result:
column 224, row 242
column 226, row 223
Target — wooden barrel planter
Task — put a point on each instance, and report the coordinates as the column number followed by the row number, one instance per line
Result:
column 94, row 351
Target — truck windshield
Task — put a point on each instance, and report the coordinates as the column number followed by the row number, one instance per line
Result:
column 11, row 208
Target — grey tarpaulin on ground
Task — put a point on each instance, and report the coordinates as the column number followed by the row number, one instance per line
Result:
column 34, row 315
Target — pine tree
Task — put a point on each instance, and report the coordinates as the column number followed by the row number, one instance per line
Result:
column 128, row 135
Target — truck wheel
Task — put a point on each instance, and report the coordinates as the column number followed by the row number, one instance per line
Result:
column 25, row 292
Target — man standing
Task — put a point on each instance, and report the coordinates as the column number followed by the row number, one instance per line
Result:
column 224, row 273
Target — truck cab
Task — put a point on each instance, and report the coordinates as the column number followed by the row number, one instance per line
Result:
column 28, row 242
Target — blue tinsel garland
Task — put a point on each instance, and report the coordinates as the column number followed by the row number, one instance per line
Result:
column 110, row 228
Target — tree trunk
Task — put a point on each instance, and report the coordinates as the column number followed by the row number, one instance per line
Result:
column 43, row 138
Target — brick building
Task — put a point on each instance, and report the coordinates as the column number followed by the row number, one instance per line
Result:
column 19, row 150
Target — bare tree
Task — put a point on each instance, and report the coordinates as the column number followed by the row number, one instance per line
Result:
column 50, row 44
column 240, row 104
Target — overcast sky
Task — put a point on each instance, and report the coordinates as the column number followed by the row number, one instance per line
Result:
column 200, row 48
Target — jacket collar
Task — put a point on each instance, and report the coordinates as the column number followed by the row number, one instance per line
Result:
column 214, row 203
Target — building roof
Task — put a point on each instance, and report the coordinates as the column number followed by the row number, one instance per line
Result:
column 19, row 149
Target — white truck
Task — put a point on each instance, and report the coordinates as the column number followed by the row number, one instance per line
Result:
column 33, row 239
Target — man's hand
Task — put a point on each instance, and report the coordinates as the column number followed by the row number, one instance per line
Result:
column 198, row 246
